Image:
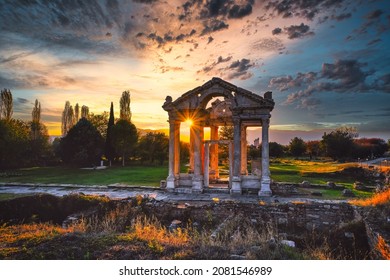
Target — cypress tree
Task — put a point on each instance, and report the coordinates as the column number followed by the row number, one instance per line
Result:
column 109, row 149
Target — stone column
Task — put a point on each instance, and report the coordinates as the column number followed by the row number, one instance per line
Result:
column 192, row 139
column 197, row 179
column 201, row 134
column 265, row 172
column 171, row 165
column 214, row 172
column 230, row 164
column 236, row 180
column 176, row 167
column 244, row 159
column 206, row 163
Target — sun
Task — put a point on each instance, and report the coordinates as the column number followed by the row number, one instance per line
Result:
column 189, row 122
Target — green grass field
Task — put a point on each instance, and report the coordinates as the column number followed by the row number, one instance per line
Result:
column 129, row 175
column 316, row 172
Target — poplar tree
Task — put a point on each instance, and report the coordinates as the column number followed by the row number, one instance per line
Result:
column 36, row 119
column 6, row 105
column 67, row 118
column 109, row 149
column 76, row 112
column 125, row 112
column 84, row 112
column 36, row 112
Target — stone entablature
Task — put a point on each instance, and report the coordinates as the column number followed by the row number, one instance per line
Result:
column 241, row 109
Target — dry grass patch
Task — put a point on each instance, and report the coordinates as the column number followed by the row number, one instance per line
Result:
column 16, row 238
column 377, row 199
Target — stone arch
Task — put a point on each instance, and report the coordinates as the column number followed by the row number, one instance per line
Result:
column 246, row 109
column 205, row 98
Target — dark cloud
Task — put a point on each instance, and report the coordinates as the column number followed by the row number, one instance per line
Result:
column 15, row 57
column 373, row 22
column 284, row 83
column 383, row 83
column 239, row 69
column 341, row 16
column 304, row 9
column 276, row 31
column 166, row 38
column 23, row 80
column 210, row 67
column 240, row 11
column 221, row 59
column 342, row 76
column 22, row 100
column 298, row 31
column 213, row 26
column 349, row 73
column 215, row 9
column 373, row 42
column 374, row 14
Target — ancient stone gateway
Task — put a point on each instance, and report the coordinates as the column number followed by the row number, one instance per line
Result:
column 240, row 108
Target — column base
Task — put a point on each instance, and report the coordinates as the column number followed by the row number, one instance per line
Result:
column 177, row 181
column 197, row 185
column 236, row 186
column 265, row 193
column 171, row 183
column 265, row 187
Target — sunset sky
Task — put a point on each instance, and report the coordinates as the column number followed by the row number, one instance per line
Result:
column 327, row 62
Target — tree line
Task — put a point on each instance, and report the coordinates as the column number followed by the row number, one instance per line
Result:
column 341, row 144
column 87, row 138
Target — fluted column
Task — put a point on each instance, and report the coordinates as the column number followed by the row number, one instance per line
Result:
column 265, row 172
column 236, row 180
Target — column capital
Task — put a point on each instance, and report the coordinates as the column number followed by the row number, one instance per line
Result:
column 265, row 121
column 173, row 121
column 236, row 120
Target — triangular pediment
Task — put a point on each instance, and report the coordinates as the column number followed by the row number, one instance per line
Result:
column 239, row 97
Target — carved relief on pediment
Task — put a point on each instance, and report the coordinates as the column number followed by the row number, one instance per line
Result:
column 220, row 109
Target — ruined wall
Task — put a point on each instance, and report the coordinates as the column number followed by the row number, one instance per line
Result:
column 291, row 216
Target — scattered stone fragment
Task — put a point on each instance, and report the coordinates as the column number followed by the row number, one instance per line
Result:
column 175, row 224
column 288, row 243
column 331, row 185
column 348, row 193
column 349, row 234
column 272, row 244
column 305, row 184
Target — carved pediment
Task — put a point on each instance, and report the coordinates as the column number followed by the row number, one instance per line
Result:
column 198, row 97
